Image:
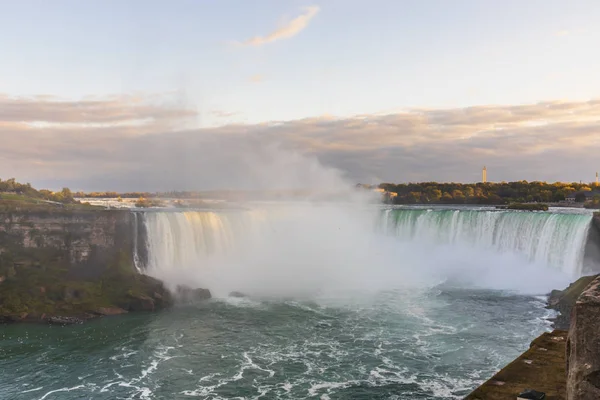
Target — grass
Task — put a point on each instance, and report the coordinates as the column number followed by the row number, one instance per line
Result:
column 11, row 202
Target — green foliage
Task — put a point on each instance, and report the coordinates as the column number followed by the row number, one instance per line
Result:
column 594, row 203
column 480, row 193
column 42, row 284
column 528, row 207
column 16, row 196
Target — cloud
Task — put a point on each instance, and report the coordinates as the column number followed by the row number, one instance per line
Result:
column 257, row 78
column 116, row 110
column 287, row 30
column 552, row 140
column 223, row 114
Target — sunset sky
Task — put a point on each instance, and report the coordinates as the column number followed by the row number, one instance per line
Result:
column 193, row 94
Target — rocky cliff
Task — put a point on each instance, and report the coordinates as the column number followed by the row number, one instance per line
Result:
column 583, row 346
column 84, row 240
column 563, row 301
column 75, row 263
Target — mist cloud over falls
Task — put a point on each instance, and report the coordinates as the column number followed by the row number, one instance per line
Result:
column 308, row 250
column 146, row 143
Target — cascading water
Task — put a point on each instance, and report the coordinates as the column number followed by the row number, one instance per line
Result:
column 554, row 239
column 320, row 247
column 136, row 257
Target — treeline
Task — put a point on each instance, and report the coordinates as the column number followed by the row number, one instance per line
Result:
column 115, row 195
column 137, row 195
column 11, row 186
column 482, row 193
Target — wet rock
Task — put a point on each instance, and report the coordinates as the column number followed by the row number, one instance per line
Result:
column 140, row 303
column 583, row 346
column 187, row 294
column 110, row 311
column 237, row 294
column 57, row 320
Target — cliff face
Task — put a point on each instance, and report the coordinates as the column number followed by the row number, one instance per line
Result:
column 563, row 301
column 85, row 241
column 583, row 346
column 72, row 263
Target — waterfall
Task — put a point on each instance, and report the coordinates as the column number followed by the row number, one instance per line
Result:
column 554, row 239
column 184, row 239
column 136, row 239
column 304, row 248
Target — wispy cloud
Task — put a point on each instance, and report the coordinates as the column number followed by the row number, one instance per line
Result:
column 114, row 110
column 287, row 29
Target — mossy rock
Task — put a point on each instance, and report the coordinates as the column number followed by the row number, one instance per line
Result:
column 54, row 292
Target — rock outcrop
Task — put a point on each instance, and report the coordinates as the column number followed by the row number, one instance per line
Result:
column 583, row 346
column 186, row 294
column 563, row 301
column 60, row 266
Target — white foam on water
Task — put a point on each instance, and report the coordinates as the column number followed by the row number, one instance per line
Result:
column 33, row 390
column 62, row 390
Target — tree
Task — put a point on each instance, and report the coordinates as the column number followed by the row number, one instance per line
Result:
column 458, row 196
column 580, row 197
column 67, row 195
column 413, row 197
column 546, row 195
column 469, row 192
column 434, row 195
column 447, row 198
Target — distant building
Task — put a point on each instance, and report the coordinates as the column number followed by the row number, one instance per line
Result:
column 589, row 195
column 484, row 175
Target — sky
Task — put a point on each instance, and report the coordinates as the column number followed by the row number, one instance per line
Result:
column 199, row 94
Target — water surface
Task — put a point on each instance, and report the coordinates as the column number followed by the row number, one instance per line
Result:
column 425, row 344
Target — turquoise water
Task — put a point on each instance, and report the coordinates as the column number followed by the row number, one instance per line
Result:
column 426, row 344
column 345, row 302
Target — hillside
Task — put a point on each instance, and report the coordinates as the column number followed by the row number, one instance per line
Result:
column 15, row 196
